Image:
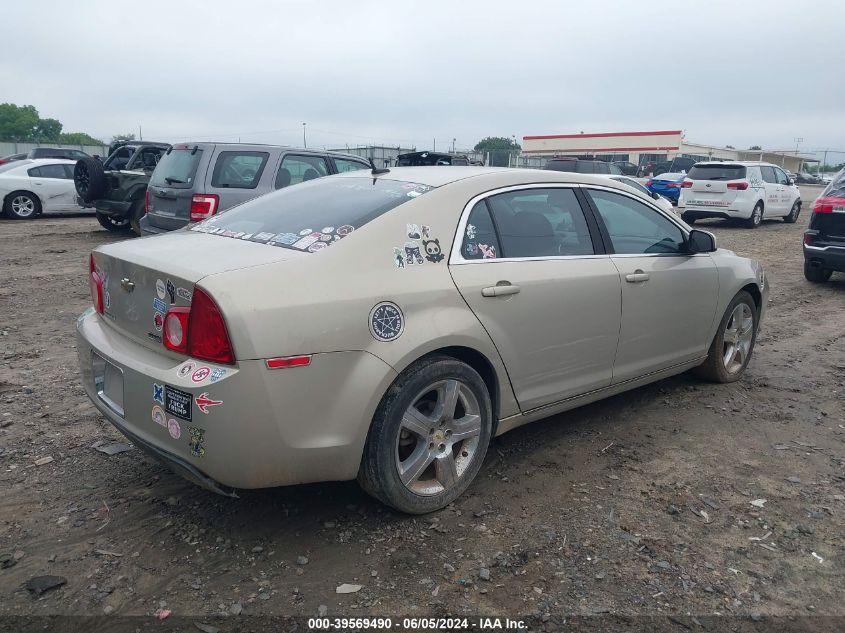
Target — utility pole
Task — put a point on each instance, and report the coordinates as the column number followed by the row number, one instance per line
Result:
column 140, row 134
column 798, row 140
column 304, row 144
column 453, row 145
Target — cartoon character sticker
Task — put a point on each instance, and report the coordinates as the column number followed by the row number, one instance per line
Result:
column 488, row 252
column 432, row 251
column 413, row 232
column 398, row 257
column 426, row 231
column 412, row 254
column 196, row 441
column 471, row 232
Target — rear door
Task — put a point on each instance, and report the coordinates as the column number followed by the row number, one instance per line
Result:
column 539, row 283
column 179, row 173
column 53, row 186
column 668, row 297
column 238, row 175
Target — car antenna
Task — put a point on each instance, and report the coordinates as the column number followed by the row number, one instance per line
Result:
column 376, row 171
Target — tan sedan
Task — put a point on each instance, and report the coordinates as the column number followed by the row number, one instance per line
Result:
column 385, row 326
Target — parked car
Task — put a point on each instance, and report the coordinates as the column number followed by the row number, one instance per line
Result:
column 116, row 188
column 57, row 152
column 29, row 188
column 678, row 164
column 198, row 180
column 750, row 191
column 824, row 240
column 804, row 178
column 422, row 159
column 581, row 166
column 664, row 203
column 667, row 184
column 385, row 325
column 627, row 169
column 11, row 158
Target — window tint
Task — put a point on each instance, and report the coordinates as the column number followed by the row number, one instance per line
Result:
column 635, row 228
column 716, row 172
column 540, row 223
column 480, row 241
column 177, row 169
column 344, row 165
column 768, row 174
column 49, row 171
column 299, row 168
column 315, row 214
column 35, row 172
column 238, row 170
column 781, row 177
column 634, row 184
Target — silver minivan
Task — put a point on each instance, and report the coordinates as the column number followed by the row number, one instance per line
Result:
column 194, row 181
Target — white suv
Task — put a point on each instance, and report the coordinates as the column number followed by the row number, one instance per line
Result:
column 749, row 191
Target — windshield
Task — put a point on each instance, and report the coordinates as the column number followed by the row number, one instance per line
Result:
column 177, row 168
column 716, row 172
column 312, row 215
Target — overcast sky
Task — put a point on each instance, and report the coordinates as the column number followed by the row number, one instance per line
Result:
column 737, row 72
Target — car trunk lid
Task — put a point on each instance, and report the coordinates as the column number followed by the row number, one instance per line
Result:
column 173, row 185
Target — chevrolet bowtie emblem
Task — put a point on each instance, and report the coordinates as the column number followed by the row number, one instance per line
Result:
column 127, row 285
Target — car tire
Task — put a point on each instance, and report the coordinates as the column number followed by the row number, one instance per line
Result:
column 115, row 224
column 793, row 213
column 689, row 219
column 756, row 216
column 22, row 205
column 135, row 215
column 89, row 178
column 411, row 460
column 733, row 339
column 816, row 274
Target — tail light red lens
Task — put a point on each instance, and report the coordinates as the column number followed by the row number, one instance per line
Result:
column 649, row 183
column 673, row 185
column 203, row 206
column 176, row 329
column 686, row 184
column 147, row 208
column 95, row 281
column 739, row 186
column 829, row 204
column 199, row 330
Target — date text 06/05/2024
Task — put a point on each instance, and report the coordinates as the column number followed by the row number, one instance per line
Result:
column 415, row 624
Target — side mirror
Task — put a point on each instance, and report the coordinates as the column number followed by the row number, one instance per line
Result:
column 655, row 195
column 700, row 242
column 790, row 181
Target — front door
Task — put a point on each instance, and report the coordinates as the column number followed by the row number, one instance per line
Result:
column 668, row 297
column 770, row 182
column 548, row 298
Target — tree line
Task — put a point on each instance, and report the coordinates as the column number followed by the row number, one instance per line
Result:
column 23, row 124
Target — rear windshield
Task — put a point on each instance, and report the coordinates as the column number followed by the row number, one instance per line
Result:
column 716, row 172
column 14, row 165
column 561, row 165
column 312, row 215
column 836, row 188
column 177, row 169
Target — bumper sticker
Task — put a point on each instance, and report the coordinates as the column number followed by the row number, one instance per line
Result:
column 158, row 416
column 177, row 402
column 171, row 291
column 432, row 250
column 158, row 321
column 216, row 374
column 159, row 305
column 174, row 429
column 197, row 440
column 161, row 289
column 187, row 295
column 386, row 321
column 200, row 374
column 186, row 369
column 204, row 401
column 158, row 393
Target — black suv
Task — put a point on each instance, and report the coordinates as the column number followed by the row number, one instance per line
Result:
column 824, row 240
column 582, row 166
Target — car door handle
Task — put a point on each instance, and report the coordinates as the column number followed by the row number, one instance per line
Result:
column 636, row 277
column 500, row 291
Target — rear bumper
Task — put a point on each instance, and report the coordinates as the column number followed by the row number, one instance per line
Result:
column 699, row 213
column 149, row 229
column 112, row 207
column 163, row 224
column 826, row 256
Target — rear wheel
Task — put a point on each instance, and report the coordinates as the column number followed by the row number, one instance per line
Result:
column 756, row 216
column 793, row 214
column 816, row 274
column 733, row 344
column 22, row 205
column 689, row 219
column 429, row 436
column 113, row 223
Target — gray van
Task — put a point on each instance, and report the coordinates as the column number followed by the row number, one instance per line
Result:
column 194, row 181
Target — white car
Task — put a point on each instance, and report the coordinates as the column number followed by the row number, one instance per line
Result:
column 42, row 185
column 750, row 191
column 662, row 202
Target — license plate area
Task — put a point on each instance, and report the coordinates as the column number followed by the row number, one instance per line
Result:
column 108, row 382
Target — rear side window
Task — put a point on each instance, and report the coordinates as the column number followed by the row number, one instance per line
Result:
column 177, row 169
column 480, row 241
column 312, row 215
column 716, row 172
column 48, row 171
column 300, row 168
column 635, row 228
column 238, row 170
column 344, row 165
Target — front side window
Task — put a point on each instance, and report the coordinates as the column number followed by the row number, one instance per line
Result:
column 300, row 168
column 540, row 223
column 768, row 174
column 238, row 170
column 344, row 165
column 480, row 240
column 781, row 177
column 635, row 228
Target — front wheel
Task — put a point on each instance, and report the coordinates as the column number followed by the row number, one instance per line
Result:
column 756, row 216
column 816, row 274
column 113, row 223
column 733, row 344
column 22, row 205
column 793, row 213
column 429, row 436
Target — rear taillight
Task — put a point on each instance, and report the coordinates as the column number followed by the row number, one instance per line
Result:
column 198, row 331
column 649, row 183
column 808, row 237
column 686, row 184
column 95, row 281
column 147, row 201
column 673, row 185
column 739, row 186
column 829, row 204
column 203, row 206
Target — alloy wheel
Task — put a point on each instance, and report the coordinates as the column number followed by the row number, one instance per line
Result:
column 23, row 206
column 739, row 332
column 438, row 438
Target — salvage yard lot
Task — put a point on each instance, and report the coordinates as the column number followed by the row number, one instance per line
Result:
column 680, row 497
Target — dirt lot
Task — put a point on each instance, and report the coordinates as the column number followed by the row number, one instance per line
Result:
column 645, row 504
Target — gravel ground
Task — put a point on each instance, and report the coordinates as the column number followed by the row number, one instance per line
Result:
column 679, row 498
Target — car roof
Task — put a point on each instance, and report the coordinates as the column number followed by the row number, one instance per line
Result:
column 260, row 146
column 34, row 162
column 437, row 176
column 743, row 163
